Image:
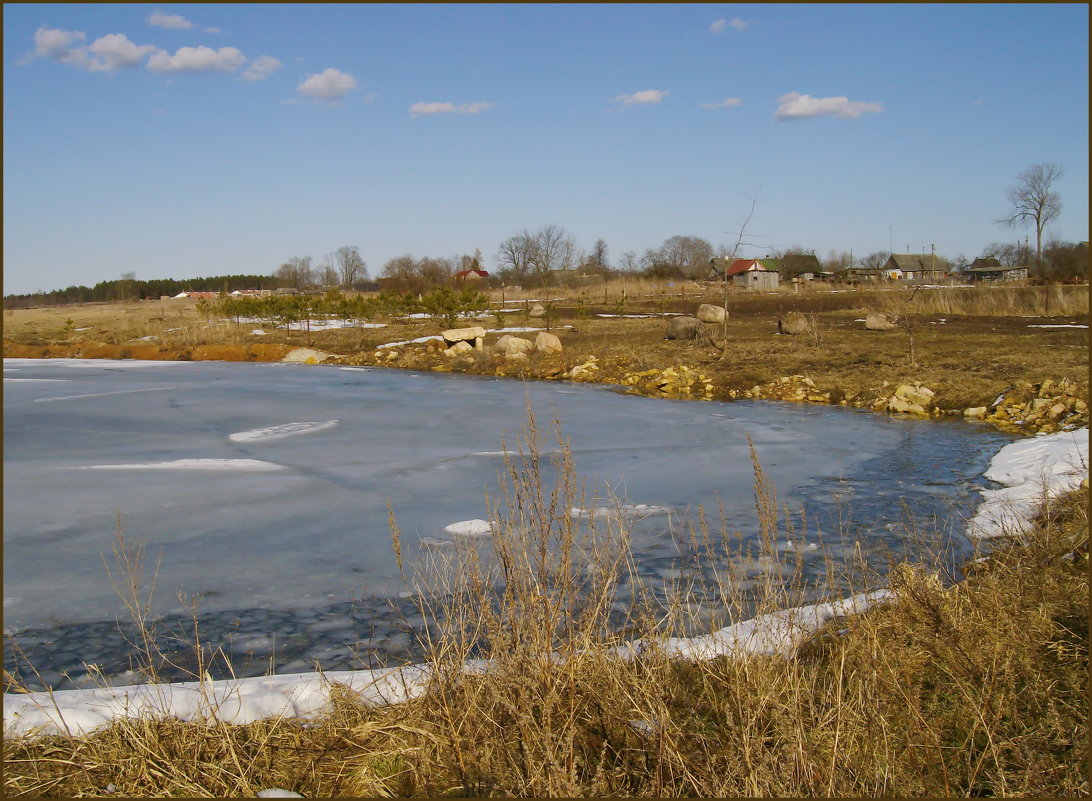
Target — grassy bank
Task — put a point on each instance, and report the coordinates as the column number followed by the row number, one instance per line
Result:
column 976, row 687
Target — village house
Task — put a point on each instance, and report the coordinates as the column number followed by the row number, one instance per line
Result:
column 747, row 273
column 915, row 267
column 990, row 269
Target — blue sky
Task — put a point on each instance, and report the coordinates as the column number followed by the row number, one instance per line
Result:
column 202, row 139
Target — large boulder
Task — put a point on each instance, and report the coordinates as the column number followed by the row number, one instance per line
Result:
column 546, row 342
column 793, row 323
column 683, row 327
column 454, row 335
column 880, row 321
column 305, row 356
column 509, row 345
column 708, row 313
column 538, row 310
column 923, row 396
column 459, row 349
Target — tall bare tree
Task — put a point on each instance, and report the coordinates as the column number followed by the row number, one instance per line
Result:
column 1033, row 200
column 350, row 267
column 514, row 256
column 553, row 248
column 296, row 272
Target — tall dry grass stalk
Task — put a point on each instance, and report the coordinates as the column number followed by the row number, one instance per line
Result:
column 993, row 301
column 969, row 688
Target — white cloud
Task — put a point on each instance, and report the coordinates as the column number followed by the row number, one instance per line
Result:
column 198, row 59
column 261, row 68
column 106, row 54
column 174, row 22
column 55, row 43
column 729, row 103
column 330, row 85
column 116, row 52
column 735, row 22
column 795, row 106
column 423, row 109
column 371, row 97
column 212, row 30
column 640, row 98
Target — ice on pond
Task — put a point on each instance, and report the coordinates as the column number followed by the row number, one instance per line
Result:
column 186, row 464
column 285, row 521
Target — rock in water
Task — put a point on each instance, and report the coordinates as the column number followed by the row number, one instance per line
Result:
column 305, row 356
column 683, row 327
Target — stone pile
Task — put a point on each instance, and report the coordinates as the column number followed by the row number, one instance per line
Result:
column 680, row 382
column 908, row 399
column 1044, row 408
column 584, row 372
column 788, row 388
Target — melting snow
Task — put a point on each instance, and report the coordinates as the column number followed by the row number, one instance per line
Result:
column 281, row 431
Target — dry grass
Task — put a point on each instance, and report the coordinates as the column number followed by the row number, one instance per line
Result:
column 969, row 688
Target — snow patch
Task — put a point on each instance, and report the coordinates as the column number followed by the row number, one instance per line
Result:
column 1030, row 471
column 281, row 431
column 470, row 528
column 188, row 464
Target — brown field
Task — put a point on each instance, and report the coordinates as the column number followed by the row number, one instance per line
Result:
column 969, row 344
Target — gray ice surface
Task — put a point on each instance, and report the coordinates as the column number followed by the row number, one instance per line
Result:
column 313, row 531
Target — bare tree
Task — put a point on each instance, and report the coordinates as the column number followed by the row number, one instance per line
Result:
column 350, row 266
column 628, row 262
column 1034, row 201
column 328, row 274
column 514, row 256
column 296, row 272
column 552, row 249
column 681, row 257
column 598, row 258
column 742, row 238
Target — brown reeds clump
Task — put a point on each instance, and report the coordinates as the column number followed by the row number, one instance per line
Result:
column 949, row 689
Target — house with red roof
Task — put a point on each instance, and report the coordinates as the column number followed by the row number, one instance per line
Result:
column 748, row 273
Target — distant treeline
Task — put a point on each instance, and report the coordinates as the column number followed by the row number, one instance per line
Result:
column 132, row 289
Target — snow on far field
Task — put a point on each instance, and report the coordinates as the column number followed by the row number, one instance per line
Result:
column 410, row 342
column 1061, row 325
column 50, row 380
column 281, row 431
column 640, row 316
column 1029, row 470
column 187, row 464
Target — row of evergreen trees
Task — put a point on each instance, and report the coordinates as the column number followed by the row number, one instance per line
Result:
column 131, row 288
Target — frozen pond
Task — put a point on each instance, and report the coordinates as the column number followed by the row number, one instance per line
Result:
column 261, row 489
